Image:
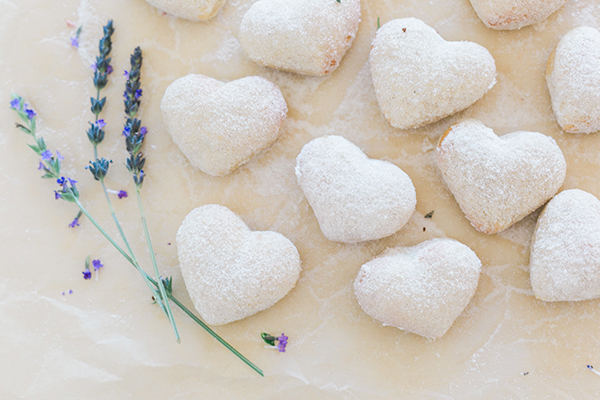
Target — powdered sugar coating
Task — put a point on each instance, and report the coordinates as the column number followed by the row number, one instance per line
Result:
column 353, row 197
column 194, row 10
column 565, row 252
column 573, row 78
column 304, row 36
column 420, row 289
column 514, row 14
column 419, row 78
column 229, row 271
column 498, row 181
column 219, row 126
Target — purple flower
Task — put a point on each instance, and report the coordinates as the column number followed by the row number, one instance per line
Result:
column 282, row 342
column 87, row 274
column 41, row 166
column 75, row 42
column 94, row 66
column 138, row 94
column 61, row 181
column 74, row 223
column 109, row 69
column 46, row 155
column 57, row 195
column 15, row 103
column 30, row 113
column 122, row 194
column 97, row 264
column 101, row 124
column 126, row 131
column 143, row 131
column 70, row 291
column 59, row 156
column 126, row 74
column 72, row 181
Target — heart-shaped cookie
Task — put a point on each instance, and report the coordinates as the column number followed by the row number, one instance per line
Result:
column 354, row 198
column 498, row 181
column 229, row 271
column 514, row 14
column 420, row 289
column 194, row 10
column 565, row 250
column 573, row 78
column 220, row 126
column 419, row 78
column 304, row 36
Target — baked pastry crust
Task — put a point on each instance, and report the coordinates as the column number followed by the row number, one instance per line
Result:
column 573, row 78
column 514, row 14
column 221, row 126
column 194, row 10
column 308, row 37
column 497, row 181
column 420, row 289
column 420, row 78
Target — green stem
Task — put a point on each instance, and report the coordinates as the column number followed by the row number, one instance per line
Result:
column 112, row 212
column 161, row 286
column 216, row 336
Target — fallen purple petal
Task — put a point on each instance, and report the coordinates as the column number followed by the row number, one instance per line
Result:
column 46, row 155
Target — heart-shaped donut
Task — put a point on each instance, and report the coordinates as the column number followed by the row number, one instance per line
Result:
column 220, row 126
column 229, row 271
column 304, row 36
column 565, row 250
column 573, row 78
column 194, row 10
column 420, row 289
column 354, row 198
column 514, row 14
column 498, row 181
column 419, row 78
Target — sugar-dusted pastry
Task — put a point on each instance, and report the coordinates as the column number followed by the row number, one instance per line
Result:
column 498, row 181
column 308, row 37
column 194, row 10
column 565, row 250
column 230, row 271
column 353, row 197
column 419, row 78
column 573, row 78
column 220, row 126
column 514, row 14
column 420, row 289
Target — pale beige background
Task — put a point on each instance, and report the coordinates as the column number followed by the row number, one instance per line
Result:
column 106, row 340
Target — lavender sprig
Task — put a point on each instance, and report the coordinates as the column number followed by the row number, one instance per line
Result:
column 282, row 341
column 102, row 69
column 133, row 131
column 75, row 39
column 50, row 163
column 134, row 139
column 99, row 167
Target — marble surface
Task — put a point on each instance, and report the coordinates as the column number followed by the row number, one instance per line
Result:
column 106, row 340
